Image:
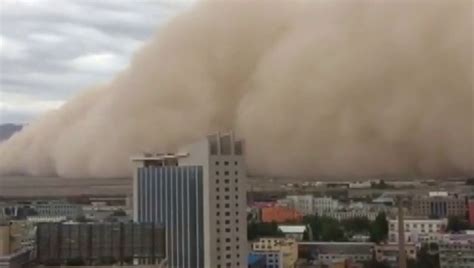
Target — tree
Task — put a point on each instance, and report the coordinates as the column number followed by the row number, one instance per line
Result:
column 376, row 264
column 428, row 258
column 356, row 225
column 256, row 230
column 119, row 213
column 379, row 230
column 325, row 228
column 470, row 181
column 75, row 262
column 456, row 224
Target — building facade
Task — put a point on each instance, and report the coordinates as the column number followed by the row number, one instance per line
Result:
column 287, row 246
column 310, row 205
column 418, row 230
column 199, row 195
column 273, row 259
column 456, row 251
column 329, row 252
column 389, row 253
column 439, row 206
column 96, row 243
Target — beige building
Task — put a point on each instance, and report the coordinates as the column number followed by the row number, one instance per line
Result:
column 286, row 246
column 439, row 205
column 389, row 252
column 418, row 230
column 199, row 195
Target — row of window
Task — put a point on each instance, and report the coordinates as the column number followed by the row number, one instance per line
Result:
column 227, row 205
column 227, row 221
column 227, row 181
column 226, row 173
column 229, row 264
column 226, row 163
column 228, row 230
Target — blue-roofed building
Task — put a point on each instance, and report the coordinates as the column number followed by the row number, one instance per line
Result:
column 256, row 261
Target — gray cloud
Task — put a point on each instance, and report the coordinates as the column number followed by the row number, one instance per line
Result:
column 50, row 49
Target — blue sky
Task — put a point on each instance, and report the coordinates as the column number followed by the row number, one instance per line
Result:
column 51, row 49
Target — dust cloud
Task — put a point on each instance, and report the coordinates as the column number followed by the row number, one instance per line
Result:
column 316, row 88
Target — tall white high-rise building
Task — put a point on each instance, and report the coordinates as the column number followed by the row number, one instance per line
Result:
column 199, row 195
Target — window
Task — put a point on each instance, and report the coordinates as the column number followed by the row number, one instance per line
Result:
column 226, row 181
column 218, row 240
column 217, row 181
column 217, row 197
column 227, row 213
column 217, row 189
column 236, row 172
column 227, row 230
column 237, row 229
column 217, row 163
column 226, row 189
column 217, row 172
column 226, row 163
column 226, row 205
column 236, row 180
column 218, row 249
column 227, row 240
column 237, row 221
column 218, row 213
column 236, row 188
column 235, row 163
column 218, row 206
column 226, row 173
column 226, row 197
column 217, row 222
column 227, row 222
column 227, row 248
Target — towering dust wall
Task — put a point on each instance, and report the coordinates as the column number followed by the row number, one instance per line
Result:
column 317, row 88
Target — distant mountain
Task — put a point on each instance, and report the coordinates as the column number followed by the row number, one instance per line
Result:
column 7, row 130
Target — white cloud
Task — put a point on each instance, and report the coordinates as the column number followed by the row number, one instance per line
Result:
column 12, row 49
column 50, row 49
column 98, row 63
column 12, row 103
column 45, row 37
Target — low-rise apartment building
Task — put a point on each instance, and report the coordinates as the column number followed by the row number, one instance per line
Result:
column 418, row 230
column 328, row 252
column 456, row 251
column 287, row 247
column 389, row 253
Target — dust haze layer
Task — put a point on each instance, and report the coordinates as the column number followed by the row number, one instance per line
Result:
column 316, row 88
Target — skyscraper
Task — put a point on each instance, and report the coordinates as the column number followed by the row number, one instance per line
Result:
column 198, row 194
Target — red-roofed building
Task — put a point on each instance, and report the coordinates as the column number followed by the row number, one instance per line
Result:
column 280, row 214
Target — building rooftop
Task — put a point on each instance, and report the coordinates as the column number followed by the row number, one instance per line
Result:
column 157, row 156
column 292, row 228
column 343, row 248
